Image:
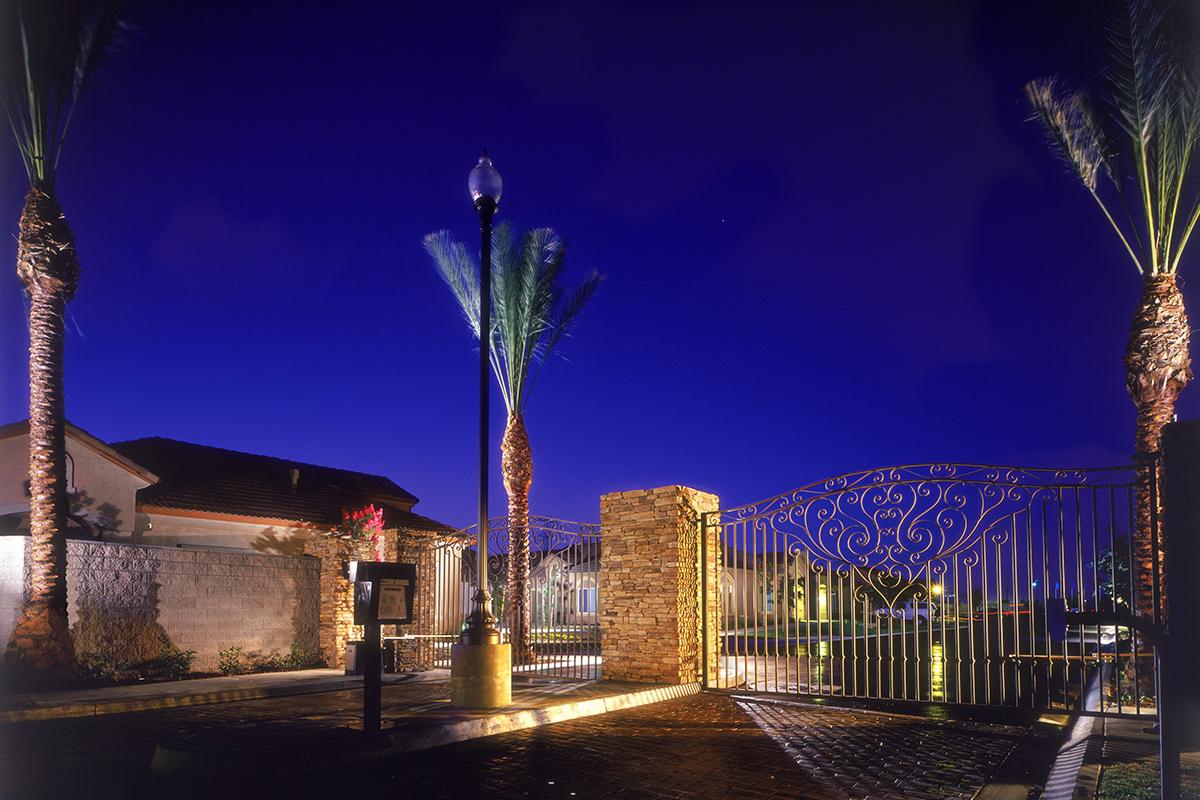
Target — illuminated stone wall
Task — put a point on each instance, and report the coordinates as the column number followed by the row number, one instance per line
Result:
column 337, row 594
column 337, row 599
column 650, row 590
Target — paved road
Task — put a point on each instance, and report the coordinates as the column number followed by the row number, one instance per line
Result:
column 704, row 746
column 712, row 746
column 866, row 754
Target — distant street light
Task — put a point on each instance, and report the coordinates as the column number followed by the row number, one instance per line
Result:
column 485, row 185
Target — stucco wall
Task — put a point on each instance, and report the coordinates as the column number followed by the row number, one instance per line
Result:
column 12, row 582
column 108, row 490
column 130, row 599
column 171, row 529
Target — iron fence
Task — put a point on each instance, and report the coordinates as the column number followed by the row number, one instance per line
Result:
column 942, row 583
column 564, row 562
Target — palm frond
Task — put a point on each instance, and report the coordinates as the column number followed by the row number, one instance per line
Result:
column 565, row 318
column 459, row 271
column 49, row 49
column 1072, row 127
column 97, row 32
column 1154, row 106
column 1140, row 65
column 570, row 309
column 531, row 310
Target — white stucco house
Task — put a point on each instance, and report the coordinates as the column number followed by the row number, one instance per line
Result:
column 563, row 590
column 166, row 492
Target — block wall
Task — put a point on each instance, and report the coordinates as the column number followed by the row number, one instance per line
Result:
column 129, row 601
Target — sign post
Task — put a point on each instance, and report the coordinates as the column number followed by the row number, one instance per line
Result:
column 383, row 595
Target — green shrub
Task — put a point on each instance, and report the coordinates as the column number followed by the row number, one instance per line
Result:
column 230, row 661
column 271, row 663
column 235, row 660
column 100, row 667
column 298, row 657
column 172, row 663
column 301, row 658
column 1139, row 780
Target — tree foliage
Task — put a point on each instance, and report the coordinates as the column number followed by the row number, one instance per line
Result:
column 531, row 311
column 1135, row 155
column 49, row 49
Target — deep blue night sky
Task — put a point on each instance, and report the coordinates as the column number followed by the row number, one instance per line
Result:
column 832, row 240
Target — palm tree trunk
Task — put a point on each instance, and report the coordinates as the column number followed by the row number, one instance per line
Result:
column 1158, row 368
column 516, row 464
column 40, row 648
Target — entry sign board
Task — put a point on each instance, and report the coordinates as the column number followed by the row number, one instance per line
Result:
column 383, row 592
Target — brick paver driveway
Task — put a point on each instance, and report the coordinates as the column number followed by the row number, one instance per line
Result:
column 714, row 746
column 703, row 746
column 868, row 754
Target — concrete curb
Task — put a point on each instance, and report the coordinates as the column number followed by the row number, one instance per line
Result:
column 181, row 763
column 506, row 722
column 99, row 708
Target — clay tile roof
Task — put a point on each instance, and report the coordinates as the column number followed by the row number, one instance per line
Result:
column 200, row 478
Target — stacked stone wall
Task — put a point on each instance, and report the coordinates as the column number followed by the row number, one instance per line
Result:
column 337, row 597
column 336, row 618
column 650, row 584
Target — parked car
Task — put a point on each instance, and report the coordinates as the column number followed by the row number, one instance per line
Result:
column 910, row 611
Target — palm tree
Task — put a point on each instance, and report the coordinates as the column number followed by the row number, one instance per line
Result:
column 1135, row 160
column 48, row 50
column 531, row 313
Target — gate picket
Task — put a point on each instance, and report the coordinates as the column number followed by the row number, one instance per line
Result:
column 937, row 583
column 564, row 591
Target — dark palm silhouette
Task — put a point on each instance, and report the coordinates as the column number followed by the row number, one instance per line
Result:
column 48, row 50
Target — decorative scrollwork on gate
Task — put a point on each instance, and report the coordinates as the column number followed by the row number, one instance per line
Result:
column 897, row 528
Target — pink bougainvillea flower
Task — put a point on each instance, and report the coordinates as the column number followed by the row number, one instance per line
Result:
column 361, row 524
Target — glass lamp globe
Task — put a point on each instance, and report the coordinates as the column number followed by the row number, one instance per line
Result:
column 484, row 181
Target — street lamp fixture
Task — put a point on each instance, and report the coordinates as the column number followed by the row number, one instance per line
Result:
column 484, row 185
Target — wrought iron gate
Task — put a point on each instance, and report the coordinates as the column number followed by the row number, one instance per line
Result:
column 564, row 564
column 943, row 583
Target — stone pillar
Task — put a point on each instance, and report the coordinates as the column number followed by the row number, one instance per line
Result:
column 337, row 598
column 337, row 594
column 1181, row 547
column 650, row 584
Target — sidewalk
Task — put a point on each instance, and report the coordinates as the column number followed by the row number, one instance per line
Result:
column 174, row 694
column 291, row 722
column 1096, row 745
column 609, row 740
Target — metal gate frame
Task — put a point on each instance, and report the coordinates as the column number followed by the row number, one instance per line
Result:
column 564, row 594
column 926, row 530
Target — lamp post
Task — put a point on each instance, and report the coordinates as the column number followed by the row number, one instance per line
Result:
column 480, row 664
column 485, row 185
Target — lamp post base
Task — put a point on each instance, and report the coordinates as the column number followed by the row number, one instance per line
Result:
column 480, row 675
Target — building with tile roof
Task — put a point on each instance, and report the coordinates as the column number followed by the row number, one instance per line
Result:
column 163, row 491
